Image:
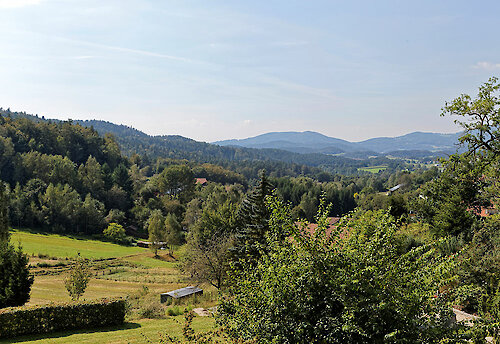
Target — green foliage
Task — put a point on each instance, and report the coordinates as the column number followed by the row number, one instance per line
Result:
column 252, row 222
column 447, row 202
column 209, row 337
column 4, row 217
column 211, row 237
column 481, row 118
column 176, row 181
column 115, row 232
column 78, row 279
column 54, row 318
column 156, row 230
column 304, row 194
column 482, row 269
column 352, row 285
column 173, row 234
column 15, row 279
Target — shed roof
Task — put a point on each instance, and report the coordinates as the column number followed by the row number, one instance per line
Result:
column 395, row 187
column 177, row 294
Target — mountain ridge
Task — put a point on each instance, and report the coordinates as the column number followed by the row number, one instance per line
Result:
column 316, row 142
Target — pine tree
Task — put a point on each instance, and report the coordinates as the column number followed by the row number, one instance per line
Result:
column 253, row 221
column 4, row 216
column 15, row 279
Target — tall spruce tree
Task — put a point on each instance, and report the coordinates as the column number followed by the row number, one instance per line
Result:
column 4, row 216
column 253, row 222
column 15, row 279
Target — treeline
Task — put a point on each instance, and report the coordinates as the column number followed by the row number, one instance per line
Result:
column 65, row 177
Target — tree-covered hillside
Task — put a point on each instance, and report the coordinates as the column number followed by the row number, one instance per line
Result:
column 247, row 161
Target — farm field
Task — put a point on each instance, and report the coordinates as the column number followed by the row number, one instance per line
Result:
column 118, row 271
column 373, row 169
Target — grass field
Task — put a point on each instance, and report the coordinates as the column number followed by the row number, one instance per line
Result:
column 132, row 332
column 118, row 271
column 61, row 246
column 373, row 169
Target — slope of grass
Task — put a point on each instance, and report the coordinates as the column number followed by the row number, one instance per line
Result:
column 139, row 331
column 124, row 272
column 373, row 169
column 62, row 246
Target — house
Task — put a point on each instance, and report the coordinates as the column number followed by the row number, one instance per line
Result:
column 488, row 211
column 180, row 293
column 311, row 228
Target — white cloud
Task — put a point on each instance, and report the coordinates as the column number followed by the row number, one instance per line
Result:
column 18, row 3
column 487, row 65
column 247, row 122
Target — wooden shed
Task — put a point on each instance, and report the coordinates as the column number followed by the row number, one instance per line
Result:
column 180, row 293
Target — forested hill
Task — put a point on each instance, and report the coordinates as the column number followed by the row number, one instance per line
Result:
column 248, row 160
column 178, row 147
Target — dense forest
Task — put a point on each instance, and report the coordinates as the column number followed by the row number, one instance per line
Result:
column 245, row 161
column 65, row 177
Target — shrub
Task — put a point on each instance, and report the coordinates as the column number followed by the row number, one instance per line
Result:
column 347, row 285
column 115, row 232
column 52, row 318
column 176, row 310
column 151, row 309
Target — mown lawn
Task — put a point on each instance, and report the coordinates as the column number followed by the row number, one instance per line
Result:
column 373, row 169
column 139, row 331
column 48, row 289
column 62, row 246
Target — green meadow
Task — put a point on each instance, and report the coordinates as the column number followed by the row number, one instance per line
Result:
column 373, row 169
column 118, row 271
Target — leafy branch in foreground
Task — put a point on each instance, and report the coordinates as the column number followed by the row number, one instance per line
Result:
column 349, row 284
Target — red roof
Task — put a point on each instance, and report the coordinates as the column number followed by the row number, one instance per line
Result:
column 311, row 227
column 201, row 181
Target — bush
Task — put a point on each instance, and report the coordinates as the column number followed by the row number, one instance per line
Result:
column 115, row 232
column 53, row 318
column 151, row 309
column 347, row 285
column 176, row 310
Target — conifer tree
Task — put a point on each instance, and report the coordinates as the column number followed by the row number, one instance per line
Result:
column 253, row 221
column 4, row 216
column 15, row 279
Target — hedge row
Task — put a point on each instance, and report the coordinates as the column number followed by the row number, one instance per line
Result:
column 59, row 317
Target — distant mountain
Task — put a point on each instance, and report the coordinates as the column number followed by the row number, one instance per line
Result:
column 413, row 141
column 313, row 142
column 307, row 141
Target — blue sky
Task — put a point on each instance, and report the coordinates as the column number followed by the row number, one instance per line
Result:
column 214, row 70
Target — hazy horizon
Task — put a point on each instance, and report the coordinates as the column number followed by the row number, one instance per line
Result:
column 216, row 71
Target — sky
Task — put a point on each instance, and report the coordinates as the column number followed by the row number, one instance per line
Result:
column 214, row 70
